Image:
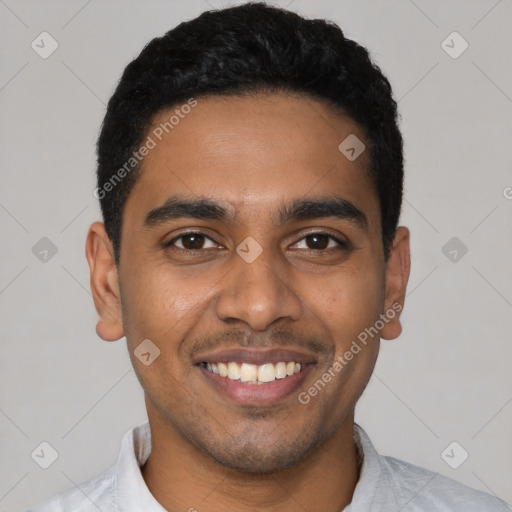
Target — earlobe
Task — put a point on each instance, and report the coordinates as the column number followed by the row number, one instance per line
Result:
column 398, row 269
column 104, row 283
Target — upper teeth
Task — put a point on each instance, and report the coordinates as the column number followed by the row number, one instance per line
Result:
column 254, row 374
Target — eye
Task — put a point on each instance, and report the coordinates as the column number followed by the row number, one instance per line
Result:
column 320, row 241
column 192, row 241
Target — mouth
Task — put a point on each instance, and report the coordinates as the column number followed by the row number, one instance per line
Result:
column 252, row 374
column 256, row 378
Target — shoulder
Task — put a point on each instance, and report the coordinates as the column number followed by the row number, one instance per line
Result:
column 90, row 496
column 421, row 489
column 116, row 488
column 387, row 483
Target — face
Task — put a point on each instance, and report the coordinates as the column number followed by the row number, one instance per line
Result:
column 250, row 243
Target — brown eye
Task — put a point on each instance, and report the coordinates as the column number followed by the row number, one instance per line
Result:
column 317, row 241
column 192, row 242
column 320, row 241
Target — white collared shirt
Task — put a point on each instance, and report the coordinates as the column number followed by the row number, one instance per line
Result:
column 385, row 485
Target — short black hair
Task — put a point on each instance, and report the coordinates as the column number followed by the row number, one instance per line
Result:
column 251, row 48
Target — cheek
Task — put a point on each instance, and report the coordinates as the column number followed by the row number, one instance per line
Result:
column 347, row 302
column 160, row 305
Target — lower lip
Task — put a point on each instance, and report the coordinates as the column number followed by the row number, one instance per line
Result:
column 257, row 394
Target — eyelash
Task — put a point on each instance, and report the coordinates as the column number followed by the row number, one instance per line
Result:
column 341, row 243
column 188, row 233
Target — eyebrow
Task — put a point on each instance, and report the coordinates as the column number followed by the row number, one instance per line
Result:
column 324, row 207
column 176, row 207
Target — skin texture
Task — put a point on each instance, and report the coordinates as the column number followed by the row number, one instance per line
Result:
column 252, row 155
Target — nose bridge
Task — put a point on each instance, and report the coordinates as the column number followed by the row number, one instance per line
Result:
column 255, row 293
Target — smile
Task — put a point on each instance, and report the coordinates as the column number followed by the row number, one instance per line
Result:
column 253, row 374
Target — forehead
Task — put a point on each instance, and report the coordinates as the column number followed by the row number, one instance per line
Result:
column 253, row 153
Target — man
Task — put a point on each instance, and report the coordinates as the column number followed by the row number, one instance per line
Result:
column 250, row 178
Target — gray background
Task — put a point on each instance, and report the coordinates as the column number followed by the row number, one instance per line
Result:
column 447, row 378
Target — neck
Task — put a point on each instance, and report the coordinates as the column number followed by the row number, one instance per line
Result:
column 181, row 477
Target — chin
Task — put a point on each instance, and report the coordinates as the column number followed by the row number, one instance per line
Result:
column 259, row 457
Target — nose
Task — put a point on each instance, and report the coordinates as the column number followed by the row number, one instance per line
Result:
column 256, row 294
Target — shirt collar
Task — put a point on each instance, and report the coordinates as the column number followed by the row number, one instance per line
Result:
column 130, row 490
column 371, row 474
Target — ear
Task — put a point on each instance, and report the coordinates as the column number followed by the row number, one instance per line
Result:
column 398, row 268
column 104, row 283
